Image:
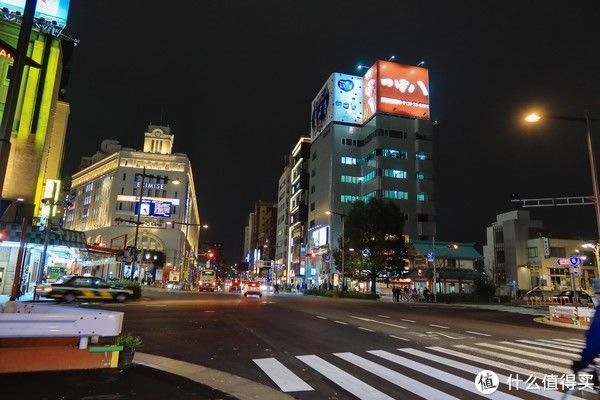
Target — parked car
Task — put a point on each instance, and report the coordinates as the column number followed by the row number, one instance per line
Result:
column 174, row 285
column 70, row 288
column 566, row 296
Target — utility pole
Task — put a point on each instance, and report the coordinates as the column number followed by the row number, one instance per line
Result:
column 434, row 270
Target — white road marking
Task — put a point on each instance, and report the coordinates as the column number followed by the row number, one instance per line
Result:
column 478, row 333
column 412, row 385
column 558, row 346
column 526, row 353
column 281, row 375
column 318, row 316
column 519, row 360
column 366, row 329
column 530, row 347
column 439, row 326
column 343, row 379
column 550, row 394
column 383, row 316
column 401, row 338
column 566, row 343
column 485, row 361
column 341, row 322
column 465, row 384
column 378, row 322
column 443, row 334
column 580, row 341
column 407, row 320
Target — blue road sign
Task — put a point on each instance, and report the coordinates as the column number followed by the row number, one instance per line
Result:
column 574, row 261
column 430, row 256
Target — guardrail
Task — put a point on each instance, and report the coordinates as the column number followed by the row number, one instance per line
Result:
column 570, row 314
column 21, row 320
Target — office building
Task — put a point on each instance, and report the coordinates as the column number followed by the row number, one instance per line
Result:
column 260, row 238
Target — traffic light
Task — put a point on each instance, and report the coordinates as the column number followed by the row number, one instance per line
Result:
column 211, row 255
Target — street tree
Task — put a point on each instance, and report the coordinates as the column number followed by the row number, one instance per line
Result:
column 374, row 231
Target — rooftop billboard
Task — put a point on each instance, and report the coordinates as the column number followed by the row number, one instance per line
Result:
column 396, row 89
column 50, row 10
column 339, row 100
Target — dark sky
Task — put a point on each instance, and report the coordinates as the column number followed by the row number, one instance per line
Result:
column 236, row 78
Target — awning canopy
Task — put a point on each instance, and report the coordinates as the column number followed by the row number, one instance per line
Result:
column 462, row 251
column 445, row 274
column 59, row 237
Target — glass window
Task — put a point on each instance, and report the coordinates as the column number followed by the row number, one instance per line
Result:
column 423, row 156
column 313, row 172
column 349, row 160
column 347, row 198
column 394, row 173
column 532, row 252
column 395, row 194
column 421, row 196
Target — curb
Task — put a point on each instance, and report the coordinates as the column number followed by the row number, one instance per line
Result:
column 234, row 385
column 545, row 321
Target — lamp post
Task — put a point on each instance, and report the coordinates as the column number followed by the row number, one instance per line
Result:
column 534, row 117
column 143, row 176
column 343, row 246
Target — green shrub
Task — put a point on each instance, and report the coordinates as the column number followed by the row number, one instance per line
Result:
column 127, row 284
column 128, row 341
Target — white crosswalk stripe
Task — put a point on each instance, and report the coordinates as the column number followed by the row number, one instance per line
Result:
column 565, row 344
column 343, row 379
column 416, row 370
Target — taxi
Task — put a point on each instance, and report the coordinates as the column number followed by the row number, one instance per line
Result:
column 70, row 288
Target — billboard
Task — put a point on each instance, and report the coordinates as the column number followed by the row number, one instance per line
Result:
column 154, row 209
column 339, row 100
column 54, row 11
column 396, row 89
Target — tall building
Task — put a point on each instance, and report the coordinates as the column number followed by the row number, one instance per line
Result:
column 283, row 201
column 106, row 203
column 41, row 118
column 260, row 236
column 371, row 138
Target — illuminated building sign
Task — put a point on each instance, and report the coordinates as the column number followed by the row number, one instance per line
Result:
column 149, row 185
column 50, row 198
column 318, row 237
column 396, row 89
column 339, row 100
column 154, row 209
column 53, row 11
column 4, row 53
column 135, row 199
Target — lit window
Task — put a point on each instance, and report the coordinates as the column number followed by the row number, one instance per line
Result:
column 349, row 160
column 423, row 156
column 421, row 196
column 394, row 173
column 346, row 198
column 395, row 194
column 420, row 176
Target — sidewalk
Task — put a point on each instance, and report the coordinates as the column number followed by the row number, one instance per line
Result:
column 139, row 382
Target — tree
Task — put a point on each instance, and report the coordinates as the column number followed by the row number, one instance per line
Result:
column 374, row 231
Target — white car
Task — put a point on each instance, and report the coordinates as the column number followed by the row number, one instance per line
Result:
column 174, row 285
column 253, row 289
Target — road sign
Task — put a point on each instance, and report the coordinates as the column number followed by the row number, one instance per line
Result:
column 430, row 256
column 569, row 261
column 575, row 261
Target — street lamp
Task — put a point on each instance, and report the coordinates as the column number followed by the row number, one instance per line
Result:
column 343, row 246
column 143, row 176
column 535, row 117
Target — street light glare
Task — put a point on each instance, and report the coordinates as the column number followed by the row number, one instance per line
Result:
column 533, row 117
column 205, row 226
column 328, row 212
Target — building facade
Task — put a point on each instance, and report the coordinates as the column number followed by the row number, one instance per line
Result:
column 372, row 152
column 517, row 250
column 106, row 206
column 260, row 238
column 283, row 201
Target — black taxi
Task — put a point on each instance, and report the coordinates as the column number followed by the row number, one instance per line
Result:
column 70, row 288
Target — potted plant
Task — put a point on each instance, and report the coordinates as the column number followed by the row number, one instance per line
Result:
column 130, row 343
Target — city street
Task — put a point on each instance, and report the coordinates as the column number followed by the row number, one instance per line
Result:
column 311, row 347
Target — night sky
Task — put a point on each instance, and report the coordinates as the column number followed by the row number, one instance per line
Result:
column 236, row 78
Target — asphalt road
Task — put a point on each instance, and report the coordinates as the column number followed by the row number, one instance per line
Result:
column 322, row 348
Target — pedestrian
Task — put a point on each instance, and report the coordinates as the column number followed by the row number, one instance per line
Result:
column 297, row 287
column 426, row 294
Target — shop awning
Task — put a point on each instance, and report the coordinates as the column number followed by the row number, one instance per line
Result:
column 445, row 274
column 59, row 237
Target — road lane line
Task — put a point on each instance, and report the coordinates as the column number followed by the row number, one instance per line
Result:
column 401, row 338
column 465, row 384
column 478, row 333
column 439, row 326
column 378, row 322
column 318, row 316
column 366, row 329
column 343, row 379
column 487, row 362
column 407, row 320
column 406, row 383
column 341, row 322
column 550, row 394
column 383, row 316
column 530, row 347
column 281, row 375
column 526, row 353
column 520, row 360
column 564, row 343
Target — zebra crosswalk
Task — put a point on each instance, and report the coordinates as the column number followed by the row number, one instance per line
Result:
column 525, row 369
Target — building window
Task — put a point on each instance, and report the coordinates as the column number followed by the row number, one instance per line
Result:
column 421, row 196
column 312, row 223
column 558, row 252
column 122, row 190
column 124, row 176
column 174, row 209
column 420, row 176
column 312, row 206
column 394, row 173
column 423, row 156
column 349, row 160
column 368, row 196
column 395, row 194
column 347, row 198
column 392, row 153
column 120, row 205
column 500, row 258
column 312, row 189
column 313, row 172
column 532, row 252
